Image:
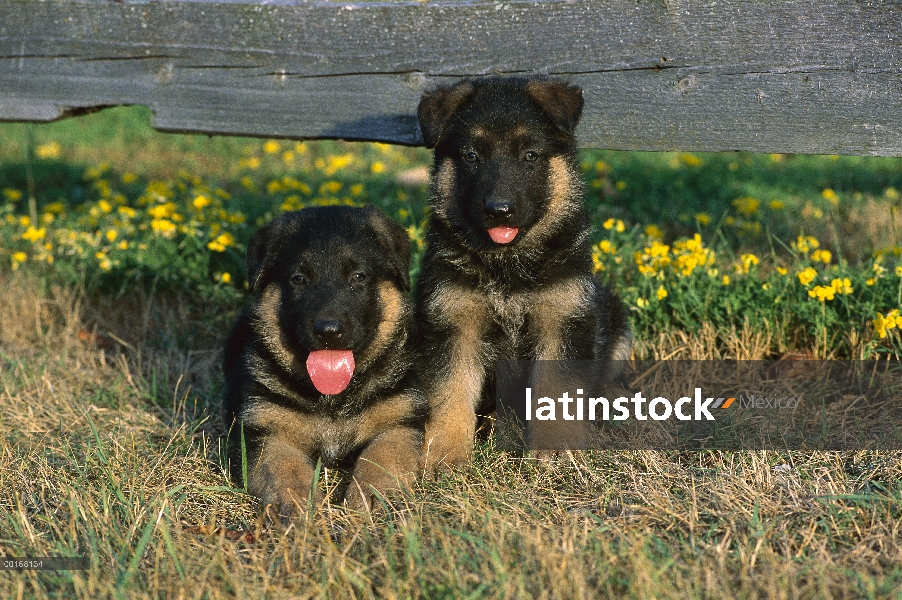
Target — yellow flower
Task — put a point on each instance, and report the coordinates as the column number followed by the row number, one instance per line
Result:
column 164, row 227
column 12, row 195
column 891, row 193
column 104, row 263
column 822, row 292
column 804, row 243
column 899, row 271
column 823, row 256
column 703, row 218
column 653, row 231
column 331, row 187
column 782, row 271
column 726, row 280
column 50, row 150
column 226, row 278
column 777, row 157
column 662, row 293
column 597, row 265
column 356, row 189
column 271, row 147
column 746, row 205
column 641, row 302
column 32, row 235
column 652, row 258
column 830, row 196
column 842, row 286
column 607, row 247
column 882, row 324
column 777, row 205
column 288, row 156
column 162, row 211
column 221, row 242
column 620, row 185
column 690, row 160
column 111, row 235
column 300, row 147
column 128, row 178
column 201, row 202
column 615, row 224
column 123, row 245
column 765, row 286
column 17, row 259
column 377, row 167
column 806, row 276
column 748, row 260
column 871, row 281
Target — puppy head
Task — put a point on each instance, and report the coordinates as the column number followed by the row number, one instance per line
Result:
column 505, row 156
column 329, row 284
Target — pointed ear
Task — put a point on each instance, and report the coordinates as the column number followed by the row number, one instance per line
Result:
column 561, row 101
column 394, row 240
column 438, row 106
column 261, row 250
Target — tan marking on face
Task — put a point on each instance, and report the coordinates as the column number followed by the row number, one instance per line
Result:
column 478, row 132
column 444, row 187
column 395, row 310
column 519, row 131
column 563, row 197
column 452, row 401
column 388, row 464
column 266, row 324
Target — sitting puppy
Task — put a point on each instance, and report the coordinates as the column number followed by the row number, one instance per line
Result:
column 317, row 366
column 507, row 273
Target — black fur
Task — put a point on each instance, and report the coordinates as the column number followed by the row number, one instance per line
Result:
column 507, row 142
column 323, row 264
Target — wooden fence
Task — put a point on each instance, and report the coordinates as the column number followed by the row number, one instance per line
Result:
column 797, row 76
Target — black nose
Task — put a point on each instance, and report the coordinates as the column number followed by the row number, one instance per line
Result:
column 328, row 331
column 499, row 209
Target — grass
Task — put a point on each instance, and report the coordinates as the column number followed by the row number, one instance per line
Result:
column 110, row 437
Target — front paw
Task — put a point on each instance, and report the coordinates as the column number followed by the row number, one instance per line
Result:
column 282, row 507
column 370, row 493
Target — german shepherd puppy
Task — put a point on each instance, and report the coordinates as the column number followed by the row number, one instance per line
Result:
column 507, row 273
column 318, row 366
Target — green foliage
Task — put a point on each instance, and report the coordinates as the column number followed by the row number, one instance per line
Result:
column 691, row 241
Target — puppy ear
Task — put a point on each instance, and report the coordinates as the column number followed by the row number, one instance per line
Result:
column 394, row 240
column 437, row 107
column 561, row 101
column 260, row 251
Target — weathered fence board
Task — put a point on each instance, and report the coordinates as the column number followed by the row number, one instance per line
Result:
column 774, row 76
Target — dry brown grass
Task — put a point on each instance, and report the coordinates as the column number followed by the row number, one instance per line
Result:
column 112, row 452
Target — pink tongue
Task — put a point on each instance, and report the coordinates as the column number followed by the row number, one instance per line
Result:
column 502, row 235
column 330, row 370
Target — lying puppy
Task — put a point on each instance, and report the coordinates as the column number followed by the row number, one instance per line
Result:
column 318, row 366
column 508, row 267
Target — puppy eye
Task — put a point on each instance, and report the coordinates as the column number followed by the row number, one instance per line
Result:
column 358, row 277
column 471, row 157
column 298, row 279
column 531, row 156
